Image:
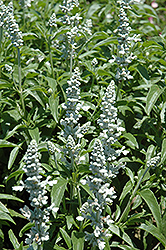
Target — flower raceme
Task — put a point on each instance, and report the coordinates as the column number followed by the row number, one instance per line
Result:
column 125, row 40
column 76, row 27
column 9, row 24
column 99, row 183
column 25, row 3
column 36, row 187
column 103, row 167
column 72, row 106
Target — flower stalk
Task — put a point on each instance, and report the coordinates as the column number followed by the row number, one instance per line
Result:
column 150, row 164
column 36, row 187
column 20, row 81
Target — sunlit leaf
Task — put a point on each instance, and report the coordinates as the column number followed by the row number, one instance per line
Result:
column 153, row 205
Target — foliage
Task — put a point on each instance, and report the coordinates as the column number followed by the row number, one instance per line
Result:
column 101, row 138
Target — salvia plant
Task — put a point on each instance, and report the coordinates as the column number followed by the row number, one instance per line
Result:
column 36, row 187
column 83, row 125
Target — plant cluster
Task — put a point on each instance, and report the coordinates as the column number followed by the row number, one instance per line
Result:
column 83, row 125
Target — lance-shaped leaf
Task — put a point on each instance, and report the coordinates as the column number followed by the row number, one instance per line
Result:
column 13, row 239
column 57, row 192
column 150, row 228
column 77, row 240
column 152, row 97
column 163, row 152
column 66, row 237
column 153, row 205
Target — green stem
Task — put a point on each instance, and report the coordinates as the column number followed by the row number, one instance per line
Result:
column 80, row 205
column 132, row 196
column 1, row 35
column 55, row 161
column 79, row 198
column 93, row 81
column 118, row 90
column 39, row 247
column 64, row 205
column 71, row 62
column 24, row 15
column 19, row 80
column 50, row 56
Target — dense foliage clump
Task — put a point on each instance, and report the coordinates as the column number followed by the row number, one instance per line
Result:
column 83, row 125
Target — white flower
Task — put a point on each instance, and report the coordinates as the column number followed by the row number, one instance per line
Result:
column 55, row 209
column 18, row 188
column 11, row 27
column 37, row 189
column 83, row 181
column 80, row 218
column 51, row 183
column 97, row 232
column 101, row 244
column 94, row 62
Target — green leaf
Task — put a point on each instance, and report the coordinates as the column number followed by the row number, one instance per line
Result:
column 14, row 113
column 154, row 231
column 3, row 208
column 87, row 105
column 13, row 131
column 93, row 8
column 163, row 113
column 66, row 237
column 105, row 42
column 132, row 142
column 87, row 189
column 5, row 216
column 16, row 173
column 70, row 221
column 35, row 135
column 35, row 95
column 134, row 218
column 102, row 72
column 1, row 235
column 88, row 53
column 124, row 247
column 29, row 36
column 59, row 248
column 117, row 212
column 152, row 97
column 57, row 192
column 116, row 230
column 130, row 174
column 13, row 155
column 127, row 189
column 28, row 226
column 163, row 151
column 51, row 82
column 137, row 202
column 13, row 239
column 153, row 205
column 15, row 214
column 5, row 84
column 9, row 197
column 47, row 167
column 22, row 247
column 6, row 144
column 163, row 224
column 143, row 72
column 53, row 103
column 77, row 240
column 150, row 152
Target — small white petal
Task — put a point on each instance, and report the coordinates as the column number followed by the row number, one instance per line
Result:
column 18, row 188
column 79, row 218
